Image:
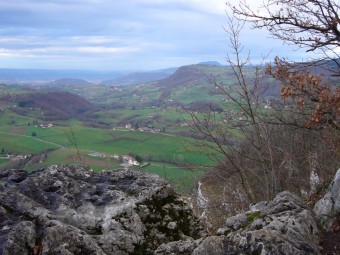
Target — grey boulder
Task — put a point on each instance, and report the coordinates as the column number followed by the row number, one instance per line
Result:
column 328, row 208
column 72, row 210
column 282, row 226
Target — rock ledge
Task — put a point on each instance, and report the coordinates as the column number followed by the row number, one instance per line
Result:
column 72, row 210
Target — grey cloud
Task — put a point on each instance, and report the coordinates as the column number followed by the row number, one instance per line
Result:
column 125, row 34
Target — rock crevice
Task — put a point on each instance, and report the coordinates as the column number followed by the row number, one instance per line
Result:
column 73, row 210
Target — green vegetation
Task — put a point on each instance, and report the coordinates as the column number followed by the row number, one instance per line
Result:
column 157, row 107
column 253, row 216
column 3, row 161
column 165, row 152
column 20, row 144
column 183, row 179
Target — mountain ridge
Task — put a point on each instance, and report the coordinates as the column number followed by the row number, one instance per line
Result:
column 70, row 82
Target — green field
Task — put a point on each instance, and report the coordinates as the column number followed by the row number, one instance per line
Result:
column 157, row 107
column 165, row 152
column 182, row 179
column 159, row 146
column 3, row 161
column 22, row 144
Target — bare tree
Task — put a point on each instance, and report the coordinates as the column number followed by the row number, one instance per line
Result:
column 310, row 24
column 249, row 162
column 260, row 152
column 73, row 140
column 313, row 24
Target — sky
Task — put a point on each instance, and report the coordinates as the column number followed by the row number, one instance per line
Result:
column 122, row 34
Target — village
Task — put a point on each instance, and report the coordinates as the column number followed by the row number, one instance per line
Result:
column 14, row 157
column 125, row 160
column 142, row 129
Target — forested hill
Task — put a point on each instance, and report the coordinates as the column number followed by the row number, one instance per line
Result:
column 182, row 76
column 54, row 105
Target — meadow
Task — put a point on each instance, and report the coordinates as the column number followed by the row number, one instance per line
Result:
column 154, row 105
column 166, row 154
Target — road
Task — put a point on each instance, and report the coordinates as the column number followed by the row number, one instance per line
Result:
column 63, row 147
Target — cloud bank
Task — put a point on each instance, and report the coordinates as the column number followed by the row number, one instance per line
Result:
column 118, row 35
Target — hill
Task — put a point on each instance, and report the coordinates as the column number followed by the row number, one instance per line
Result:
column 54, row 105
column 137, row 78
column 185, row 86
column 70, row 82
column 211, row 63
column 183, row 75
column 190, row 83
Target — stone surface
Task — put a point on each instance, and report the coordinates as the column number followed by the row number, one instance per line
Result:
column 183, row 247
column 282, row 226
column 328, row 208
column 72, row 210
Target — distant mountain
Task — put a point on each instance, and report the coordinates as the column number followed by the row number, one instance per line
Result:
column 45, row 76
column 139, row 77
column 182, row 76
column 196, row 83
column 328, row 67
column 70, row 82
column 188, row 81
column 210, row 63
column 170, row 70
column 54, row 105
column 42, row 76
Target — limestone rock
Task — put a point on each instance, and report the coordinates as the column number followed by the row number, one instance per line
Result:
column 73, row 210
column 328, row 208
column 183, row 247
column 282, row 226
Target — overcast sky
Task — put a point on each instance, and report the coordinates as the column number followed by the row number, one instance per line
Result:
column 121, row 34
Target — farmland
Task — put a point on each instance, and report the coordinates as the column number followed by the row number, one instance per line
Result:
column 165, row 153
column 147, row 121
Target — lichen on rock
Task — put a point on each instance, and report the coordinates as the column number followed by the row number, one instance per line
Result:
column 282, row 226
column 74, row 210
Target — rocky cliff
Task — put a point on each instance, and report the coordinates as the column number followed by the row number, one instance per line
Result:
column 72, row 210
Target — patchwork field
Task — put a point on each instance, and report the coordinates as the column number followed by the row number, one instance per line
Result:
column 166, row 154
column 112, row 120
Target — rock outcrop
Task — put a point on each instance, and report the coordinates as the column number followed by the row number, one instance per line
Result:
column 327, row 209
column 72, row 210
column 282, row 226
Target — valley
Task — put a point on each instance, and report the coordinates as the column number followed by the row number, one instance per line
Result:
column 69, row 123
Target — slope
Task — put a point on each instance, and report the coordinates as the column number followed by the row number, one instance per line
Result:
column 54, row 105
